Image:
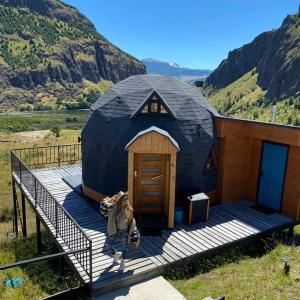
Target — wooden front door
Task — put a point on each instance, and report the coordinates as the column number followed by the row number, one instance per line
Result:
column 151, row 182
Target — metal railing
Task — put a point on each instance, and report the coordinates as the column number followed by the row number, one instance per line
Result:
column 50, row 155
column 65, row 227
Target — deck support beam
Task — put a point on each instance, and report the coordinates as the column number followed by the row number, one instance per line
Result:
column 24, row 216
column 291, row 232
column 38, row 233
column 14, row 194
column 61, row 266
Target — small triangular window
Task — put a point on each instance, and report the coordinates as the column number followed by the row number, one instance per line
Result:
column 154, row 105
column 211, row 162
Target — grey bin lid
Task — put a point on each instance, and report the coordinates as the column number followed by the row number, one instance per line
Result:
column 198, row 197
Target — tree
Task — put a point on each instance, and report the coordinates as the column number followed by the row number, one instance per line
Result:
column 56, row 131
column 92, row 96
column 59, row 100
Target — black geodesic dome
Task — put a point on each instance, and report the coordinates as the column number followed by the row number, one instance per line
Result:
column 117, row 117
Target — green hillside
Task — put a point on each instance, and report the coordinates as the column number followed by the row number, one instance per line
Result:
column 259, row 74
column 50, row 52
column 244, row 98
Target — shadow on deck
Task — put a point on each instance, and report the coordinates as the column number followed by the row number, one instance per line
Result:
column 228, row 224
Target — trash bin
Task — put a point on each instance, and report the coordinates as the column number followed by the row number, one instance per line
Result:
column 198, row 206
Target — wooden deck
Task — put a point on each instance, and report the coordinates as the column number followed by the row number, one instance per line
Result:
column 227, row 224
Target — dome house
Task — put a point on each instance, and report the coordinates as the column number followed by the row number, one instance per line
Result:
column 153, row 136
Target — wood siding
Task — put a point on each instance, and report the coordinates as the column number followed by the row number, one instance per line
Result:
column 234, row 160
column 153, row 142
column 254, row 166
column 263, row 131
column 291, row 196
column 240, row 156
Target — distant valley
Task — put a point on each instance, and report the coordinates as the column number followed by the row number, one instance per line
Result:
column 53, row 58
column 158, row 67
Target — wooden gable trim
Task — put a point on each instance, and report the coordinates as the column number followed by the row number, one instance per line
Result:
column 156, row 135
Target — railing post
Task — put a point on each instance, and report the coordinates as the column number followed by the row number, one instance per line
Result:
column 38, row 234
column 14, row 192
column 24, row 216
column 12, row 162
column 20, row 172
column 56, row 219
column 91, row 261
column 35, row 192
column 59, row 158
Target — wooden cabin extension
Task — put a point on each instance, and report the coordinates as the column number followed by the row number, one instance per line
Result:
column 242, row 150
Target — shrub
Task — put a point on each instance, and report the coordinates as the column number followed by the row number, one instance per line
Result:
column 82, row 104
column 56, row 131
column 92, row 96
column 72, row 119
column 25, row 107
column 291, row 101
column 59, row 100
column 6, row 214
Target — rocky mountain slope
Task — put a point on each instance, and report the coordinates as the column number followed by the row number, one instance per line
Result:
column 274, row 57
column 155, row 66
column 51, row 53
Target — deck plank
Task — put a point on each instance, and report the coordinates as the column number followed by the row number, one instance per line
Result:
column 227, row 223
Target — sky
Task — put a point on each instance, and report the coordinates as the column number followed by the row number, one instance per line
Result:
column 192, row 33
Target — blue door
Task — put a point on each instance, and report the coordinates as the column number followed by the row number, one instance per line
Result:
column 272, row 175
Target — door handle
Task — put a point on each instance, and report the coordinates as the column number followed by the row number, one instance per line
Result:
column 156, row 177
column 135, row 174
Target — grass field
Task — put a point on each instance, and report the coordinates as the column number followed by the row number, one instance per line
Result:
column 40, row 279
column 252, row 272
column 18, row 122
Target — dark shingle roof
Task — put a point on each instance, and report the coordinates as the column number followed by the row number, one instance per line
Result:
column 125, row 97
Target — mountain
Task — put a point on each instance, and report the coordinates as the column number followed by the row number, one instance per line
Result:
column 154, row 66
column 51, row 55
column 259, row 74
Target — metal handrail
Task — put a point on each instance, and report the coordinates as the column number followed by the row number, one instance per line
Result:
column 66, row 212
column 19, row 167
column 38, row 259
column 53, row 154
column 60, row 145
